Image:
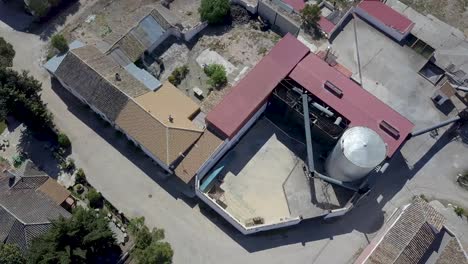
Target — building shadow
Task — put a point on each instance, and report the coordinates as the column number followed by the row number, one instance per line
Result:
column 118, row 141
column 367, row 216
column 15, row 16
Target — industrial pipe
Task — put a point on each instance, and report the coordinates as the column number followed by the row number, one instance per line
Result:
column 335, row 181
column 310, row 153
column 322, row 109
column 425, row 130
column 464, row 89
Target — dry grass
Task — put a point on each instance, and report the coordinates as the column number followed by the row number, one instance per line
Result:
column 453, row 12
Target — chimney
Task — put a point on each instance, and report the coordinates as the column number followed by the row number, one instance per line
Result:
column 171, row 119
column 117, row 77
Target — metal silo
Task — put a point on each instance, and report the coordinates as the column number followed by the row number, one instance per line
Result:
column 358, row 151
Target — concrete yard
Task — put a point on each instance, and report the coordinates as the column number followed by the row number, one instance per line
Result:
column 255, row 171
column 389, row 71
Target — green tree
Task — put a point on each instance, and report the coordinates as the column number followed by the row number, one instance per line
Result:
column 59, row 42
column 310, row 16
column 149, row 249
column 11, row 254
column 95, row 198
column 155, row 253
column 21, row 98
column 83, row 238
column 214, row 11
column 63, row 141
column 80, row 176
column 217, row 74
column 7, row 53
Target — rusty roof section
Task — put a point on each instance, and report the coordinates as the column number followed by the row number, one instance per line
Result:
column 54, row 191
column 199, row 154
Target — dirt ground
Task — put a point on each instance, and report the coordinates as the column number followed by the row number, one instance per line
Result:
column 241, row 45
column 453, row 12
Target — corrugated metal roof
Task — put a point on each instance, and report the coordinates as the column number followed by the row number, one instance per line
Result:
column 241, row 103
column 148, row 31
column 143, row 76
column 357, row 105
column 53, row 64
column 386, row 15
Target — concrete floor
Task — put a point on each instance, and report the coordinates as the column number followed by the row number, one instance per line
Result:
column 255, row 172
column 389, row 71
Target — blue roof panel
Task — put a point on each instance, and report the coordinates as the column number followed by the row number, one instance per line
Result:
column 53, row 64
column 143, row 76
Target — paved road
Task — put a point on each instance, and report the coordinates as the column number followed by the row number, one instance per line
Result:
column 134, row 185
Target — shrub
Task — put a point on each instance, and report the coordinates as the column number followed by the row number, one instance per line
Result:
column 178, row 75
column 217, row 75
column 459, row 210
column 79, row 189
column 80, row 176
column 68, row 165
column 59, row 42
column 63, row 141
column 94, row 198
column 214, row 11
column 7, row 53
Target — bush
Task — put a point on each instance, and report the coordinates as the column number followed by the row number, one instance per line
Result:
column 94, row 198
column 59, row 42
column 68, row 165
column 214, row 11
column 178, row 75
column 63, row 141
column 79, row 189
column 80, row 176
column 459, row 210
column 217, row 75
column 7, row 53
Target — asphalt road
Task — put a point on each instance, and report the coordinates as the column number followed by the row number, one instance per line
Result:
column 137, row 187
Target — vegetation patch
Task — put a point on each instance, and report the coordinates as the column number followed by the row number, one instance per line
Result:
column 217, row 74
column 178, row 75
column 214, row 11
column 59, row 42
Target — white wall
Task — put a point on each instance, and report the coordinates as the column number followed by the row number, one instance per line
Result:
column 251, row 8
column 395, row 34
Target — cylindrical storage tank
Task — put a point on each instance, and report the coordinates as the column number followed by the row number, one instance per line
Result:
column 358, row 152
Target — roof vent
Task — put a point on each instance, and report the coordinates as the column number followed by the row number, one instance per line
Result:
column 117, row 77
column 333, row 89
column 389, row 129
column 171, row 119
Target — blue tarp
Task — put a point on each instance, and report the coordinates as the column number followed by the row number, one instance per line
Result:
column 210, row 179
column 53, row 64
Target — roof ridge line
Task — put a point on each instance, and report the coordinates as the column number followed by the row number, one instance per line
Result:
column 186, row 129
column 14, row 215
column 167, row 145
column 418, row 203
column 98, row 73
column 128, row 31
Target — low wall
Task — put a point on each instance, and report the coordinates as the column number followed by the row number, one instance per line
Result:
column 279, row 21
column 190, row 34
column 251, row 8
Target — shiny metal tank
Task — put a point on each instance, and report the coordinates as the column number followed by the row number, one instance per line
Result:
column 358, row 151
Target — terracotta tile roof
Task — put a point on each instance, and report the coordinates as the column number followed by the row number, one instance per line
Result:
column 200, row 152
column 452, row 253
column 170, row 101
column 54, row 191
column 410, row 237
column 166, row 143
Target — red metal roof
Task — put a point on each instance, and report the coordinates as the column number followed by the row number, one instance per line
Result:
column 298, row 5
column 326, row 25
column 386, row 15
column 357, row 105
column 251, row 92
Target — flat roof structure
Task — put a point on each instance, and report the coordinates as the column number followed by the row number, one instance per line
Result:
column 297, row 5
column 356, row 104
column 386, row 15
column 250, row 93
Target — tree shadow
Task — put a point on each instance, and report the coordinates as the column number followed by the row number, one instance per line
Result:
column 14, row 15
